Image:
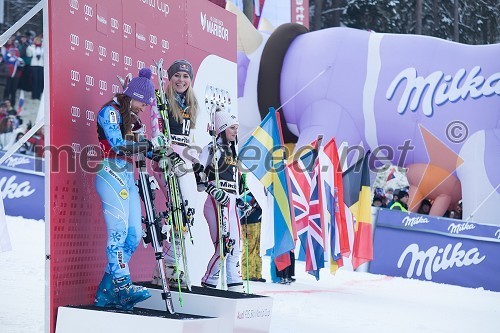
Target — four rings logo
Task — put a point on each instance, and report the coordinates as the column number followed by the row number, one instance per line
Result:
column 114, row 23
column 89, row 11
column 75, row 111
column 75, row 76
column 115, row 56
column 164, row 73
column 115, row 88
column 153, row 39
column 90, row 115
column 73, row 4
column 103, row 85
column 91, row 152
column 153, row 69
column 76, row 147
column 127, row 28
column 127, row 60
column 140, row 64
column 89, row 46
column 102, row 51
column 89, row 80
column 165, row 44
column 74, row 39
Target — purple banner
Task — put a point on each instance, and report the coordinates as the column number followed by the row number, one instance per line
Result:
column 436, row 249
column 22, row 186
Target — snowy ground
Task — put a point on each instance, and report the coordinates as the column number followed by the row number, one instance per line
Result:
column 347, row 302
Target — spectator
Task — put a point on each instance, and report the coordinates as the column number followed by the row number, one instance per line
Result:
column 250, row 234
column 378, row 202
column 37, row 68
column 395, row 197
column 26, row 53
column 425, row 207
column 13, row 113
column 14, row 65
column 402, row 202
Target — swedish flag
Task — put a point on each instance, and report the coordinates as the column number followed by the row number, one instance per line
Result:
column 263, row 155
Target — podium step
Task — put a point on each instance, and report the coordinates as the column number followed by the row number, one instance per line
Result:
column 238, row 312
column 84, row 319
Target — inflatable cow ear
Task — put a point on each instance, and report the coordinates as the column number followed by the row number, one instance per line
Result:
column 124, row 81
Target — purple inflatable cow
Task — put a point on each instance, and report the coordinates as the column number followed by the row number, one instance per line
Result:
column 427, row 104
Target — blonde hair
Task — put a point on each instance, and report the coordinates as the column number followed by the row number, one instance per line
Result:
column 191, row 103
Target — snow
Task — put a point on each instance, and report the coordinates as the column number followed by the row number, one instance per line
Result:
column 346, row 302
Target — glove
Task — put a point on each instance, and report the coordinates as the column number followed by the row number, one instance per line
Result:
column 218, row 194
column 159, row 143
column 244, row 208
column 228, row 244
column 200, row 176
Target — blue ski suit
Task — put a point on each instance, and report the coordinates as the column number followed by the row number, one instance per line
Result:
column 120, row 197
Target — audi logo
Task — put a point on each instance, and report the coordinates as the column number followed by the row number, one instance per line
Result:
column 91, row 151
column 115, row 56
column 73, row 4
column 75, row 111
column 153, row 39
column 115, row 88
column 89, row 46
column 89, row 11
column 127, row 60
column 75, row 76
column 76, row 147
column 90, row 115
column 74, row 39
column 165, row 44
column 127, row 28
column 153, row 69
column 114, row 23
column 102, row 51
column 103, row 85
column 89, row 80
column 140, row 64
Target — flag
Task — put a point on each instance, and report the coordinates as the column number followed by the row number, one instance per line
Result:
column 356, row 181
column 391, row 174
column 262, row 154
column 21, row 102
column 306, row 201
column 333, row 205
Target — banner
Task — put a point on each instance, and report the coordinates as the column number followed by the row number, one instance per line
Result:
column 437, row 249
column 22, row 186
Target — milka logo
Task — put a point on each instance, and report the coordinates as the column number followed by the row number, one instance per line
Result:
column 497, row 234
column 411, row 221
column 457, row 228
column 436, row 259
column 214, row 27
column 15, row 161
column 438, row 88
column 12, row 190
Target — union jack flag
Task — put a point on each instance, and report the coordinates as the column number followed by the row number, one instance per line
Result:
column 307, row 209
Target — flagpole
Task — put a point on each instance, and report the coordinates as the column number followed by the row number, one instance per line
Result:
column 287, row 177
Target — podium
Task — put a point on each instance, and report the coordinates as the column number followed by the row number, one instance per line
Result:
column 237, row 312
column 84, row 319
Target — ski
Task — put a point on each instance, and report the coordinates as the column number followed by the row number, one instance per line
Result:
column 154, row 234
column 180, row 215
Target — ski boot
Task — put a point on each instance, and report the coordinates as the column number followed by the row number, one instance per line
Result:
column 172, row 278
column 128, row 295
column 105, row 295
column 235, row 287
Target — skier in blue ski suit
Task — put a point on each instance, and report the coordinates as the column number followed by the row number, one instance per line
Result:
column 116, row 122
